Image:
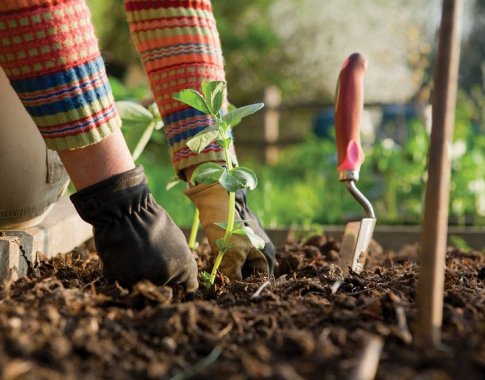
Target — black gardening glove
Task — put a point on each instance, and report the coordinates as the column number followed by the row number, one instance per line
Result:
column 135, row 238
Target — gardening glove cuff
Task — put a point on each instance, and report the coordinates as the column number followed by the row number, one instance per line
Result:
column 243, row 258
column 135, row 238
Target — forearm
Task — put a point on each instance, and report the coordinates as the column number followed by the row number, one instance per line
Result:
column 50, row 54
column 179, row 46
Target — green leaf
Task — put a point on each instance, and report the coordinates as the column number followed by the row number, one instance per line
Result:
column 208, row 173
column 172, row 182
column 235, row 116
column 159, row 125
column 214, row 94
column 138, row 126
column 230, row 182
column 202, row 139
column 238, row 178
column 225, row 143
column 194, row 99
column 221, row 247
column 238, row 225
column 153, row 108
column 143, row 141
column 134, row 113
column 246, row 176
column 206, row 277
column 256, row 241
column 222, row 225
column 239, row 231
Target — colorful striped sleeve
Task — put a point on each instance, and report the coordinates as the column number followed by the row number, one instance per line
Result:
column 50, row 54
column 179, row 47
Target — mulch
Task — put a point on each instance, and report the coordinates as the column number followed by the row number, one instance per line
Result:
column 64, row 321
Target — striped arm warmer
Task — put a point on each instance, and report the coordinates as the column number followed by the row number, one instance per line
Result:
column 179, row 47
column 50, row 54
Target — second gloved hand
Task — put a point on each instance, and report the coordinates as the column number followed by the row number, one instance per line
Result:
column 135, row 238
column 243, row 259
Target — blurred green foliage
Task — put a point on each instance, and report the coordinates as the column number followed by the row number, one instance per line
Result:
column 109, row 19
column 302, row 188
column 252, row 51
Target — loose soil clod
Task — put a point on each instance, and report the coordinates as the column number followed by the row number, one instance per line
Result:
column 64, row 321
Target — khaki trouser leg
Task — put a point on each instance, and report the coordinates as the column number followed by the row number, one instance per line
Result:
column 32, row 178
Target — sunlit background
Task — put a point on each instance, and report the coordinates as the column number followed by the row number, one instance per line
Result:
column 292, row 50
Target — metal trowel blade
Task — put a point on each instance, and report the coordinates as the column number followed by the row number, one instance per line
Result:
column 355, row 242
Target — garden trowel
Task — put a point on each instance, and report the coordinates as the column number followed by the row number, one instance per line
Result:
column 348, row 115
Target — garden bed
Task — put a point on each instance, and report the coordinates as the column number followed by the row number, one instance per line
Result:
column 64, row 321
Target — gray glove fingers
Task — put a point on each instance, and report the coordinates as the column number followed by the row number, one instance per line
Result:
column 255, row 263
column 186, row 274
column 269, row 252
column 190, row 282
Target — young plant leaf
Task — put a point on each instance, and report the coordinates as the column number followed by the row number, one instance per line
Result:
column 246, row 176
column 200, row 141
column 256, row 241
column 194, row 99
column 159, row 125
column 225, row 143
column 238, row 225
column 208, row 173
column 138, row 126
column 214, row 95
column 234, row 117
column 153, row 108
column 206, row 277
column 220, row 245
column 143, row 141
column 222, row 225
column 134, row 113
column 172, row 182
column 223, row 248
column 231, row 183
column 239, row 231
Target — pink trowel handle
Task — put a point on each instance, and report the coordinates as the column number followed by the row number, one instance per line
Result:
column 349, row 105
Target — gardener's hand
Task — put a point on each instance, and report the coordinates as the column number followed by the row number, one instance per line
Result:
column 243, row 259
column 135, row 238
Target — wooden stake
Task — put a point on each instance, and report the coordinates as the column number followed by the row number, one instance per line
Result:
column 435, row 224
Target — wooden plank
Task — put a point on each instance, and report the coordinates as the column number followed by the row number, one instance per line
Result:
column 9, row 258
column 389, row 237
column 61, row 231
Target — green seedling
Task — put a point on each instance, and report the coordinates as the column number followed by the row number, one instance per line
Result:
column 139, row 123
column 231, row 178
column 172, row 182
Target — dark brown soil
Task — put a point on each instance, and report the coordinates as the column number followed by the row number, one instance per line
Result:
column 63, row 321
